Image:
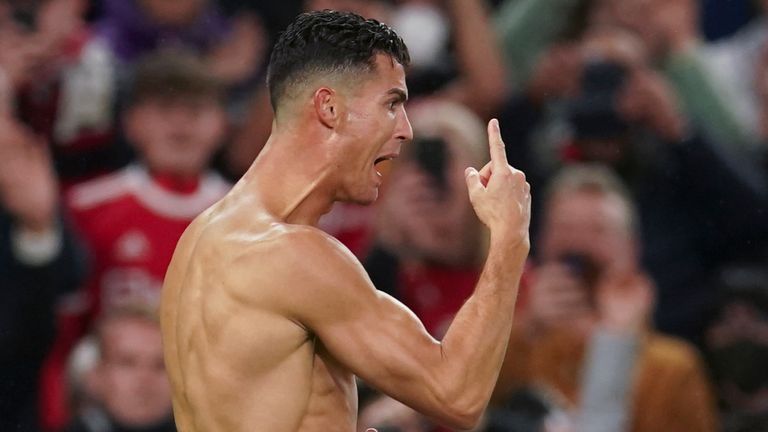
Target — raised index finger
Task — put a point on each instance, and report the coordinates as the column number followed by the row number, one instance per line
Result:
column 498, row 153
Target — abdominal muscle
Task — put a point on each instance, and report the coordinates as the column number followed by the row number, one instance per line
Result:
column 307, row 391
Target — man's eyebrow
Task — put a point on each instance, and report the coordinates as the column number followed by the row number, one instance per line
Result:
column 402, row 96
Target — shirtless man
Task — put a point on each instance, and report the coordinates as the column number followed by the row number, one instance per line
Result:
column 266, row 319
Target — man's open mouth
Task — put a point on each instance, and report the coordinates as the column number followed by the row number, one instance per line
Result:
column 384, row 158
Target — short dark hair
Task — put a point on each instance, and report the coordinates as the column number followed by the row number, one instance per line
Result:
column 173, row 74
column 329, row 41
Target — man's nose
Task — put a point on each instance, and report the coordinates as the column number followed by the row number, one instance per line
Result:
column 404, row 132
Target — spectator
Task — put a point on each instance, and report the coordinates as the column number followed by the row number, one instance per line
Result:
column 667, row 28
column 622, row 113
column 38, row 263
column 736, row 344
column 128, row 383
column 175, row 121
column 63, row 84
column 132, row 219
column 589, row 285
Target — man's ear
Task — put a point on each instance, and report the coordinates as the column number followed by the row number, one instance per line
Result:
column 326, row 104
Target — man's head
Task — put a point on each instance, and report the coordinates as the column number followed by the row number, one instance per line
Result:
column 175, row 118
column 589, row 217
column 339, row 47
column 129, row 379
column 338, row 80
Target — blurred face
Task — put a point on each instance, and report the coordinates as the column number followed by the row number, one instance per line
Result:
column 634, row 15
column 429, row 179
column 176, row 136
column 591, row 224
column 737, row 344
column 374, row 127
column 173, row 12
column 131, row 378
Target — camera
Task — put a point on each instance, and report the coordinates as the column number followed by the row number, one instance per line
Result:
column 583, row 267
column 593, row 113
column 431, row 155
column 24, row 13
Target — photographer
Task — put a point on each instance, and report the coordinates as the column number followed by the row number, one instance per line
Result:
column 584, row 331
column 700, row 203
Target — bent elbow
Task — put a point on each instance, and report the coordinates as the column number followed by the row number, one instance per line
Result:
column 467, row 420
column 463, row 414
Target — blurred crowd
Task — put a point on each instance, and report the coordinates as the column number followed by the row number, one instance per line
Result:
column 642, row 126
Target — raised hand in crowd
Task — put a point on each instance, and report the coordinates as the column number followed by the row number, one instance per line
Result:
column 648, row 100
column 28, row 187
column 624, row 301
column 239, row 56
column 558, row 297
column 557, row 73
column 676, row 21
column 665, row 26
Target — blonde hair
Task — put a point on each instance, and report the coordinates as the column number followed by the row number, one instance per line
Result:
column 463, row 129
column 139, row 312
column 594, row 178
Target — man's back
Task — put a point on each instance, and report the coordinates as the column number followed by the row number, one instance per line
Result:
column 235, row 360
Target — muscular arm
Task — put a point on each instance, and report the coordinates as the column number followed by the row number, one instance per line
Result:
column 384, row 343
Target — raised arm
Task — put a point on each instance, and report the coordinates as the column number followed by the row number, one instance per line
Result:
column 384, row 343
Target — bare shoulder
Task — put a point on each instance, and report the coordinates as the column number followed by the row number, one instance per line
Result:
column 311, row 258
column 316, row 268
column 312, row 246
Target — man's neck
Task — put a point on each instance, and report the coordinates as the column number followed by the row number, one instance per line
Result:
column 291, row 180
